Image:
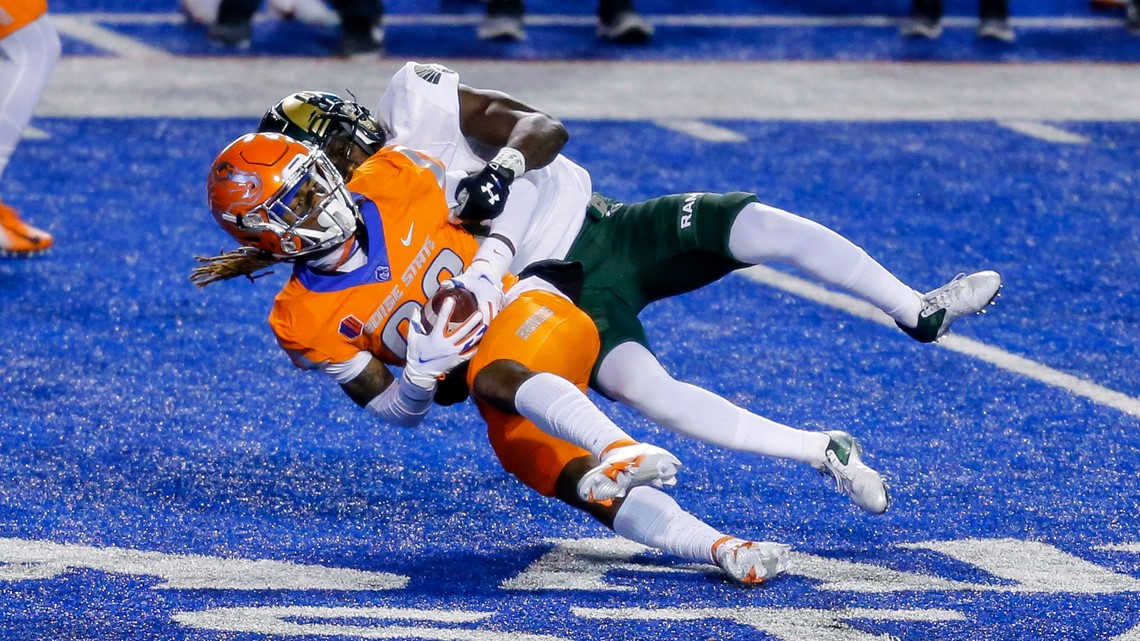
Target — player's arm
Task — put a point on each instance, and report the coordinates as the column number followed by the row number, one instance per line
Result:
column 405, row 400
column 497, row 120
column 525, row 137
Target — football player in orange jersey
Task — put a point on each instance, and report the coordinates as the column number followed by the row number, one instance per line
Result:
column 29, row 50
column 352, row 308
column 636, row 253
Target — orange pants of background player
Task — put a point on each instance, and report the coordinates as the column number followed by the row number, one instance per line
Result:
column 546, row 333
column 17, row 15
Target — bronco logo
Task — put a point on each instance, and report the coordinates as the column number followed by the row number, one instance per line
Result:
column 241, row 189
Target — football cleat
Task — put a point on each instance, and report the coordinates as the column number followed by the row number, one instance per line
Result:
column 627, row 467
column 502, row 29
column 941, row 307
column 922, row 27
column 628, row 27
column 19, row 239
column 232, row 34
column 750, row 562
column 843, row 462
column 996, row 29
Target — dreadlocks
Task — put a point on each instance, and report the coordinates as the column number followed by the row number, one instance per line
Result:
column 243, row 261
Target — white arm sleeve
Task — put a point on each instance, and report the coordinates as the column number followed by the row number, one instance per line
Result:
column 509, row 229
column 403, row 403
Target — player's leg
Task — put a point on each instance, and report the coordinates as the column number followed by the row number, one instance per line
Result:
column 525, row 366
column 761, row 234
column 630, row 373
column 653, row 518
column 29, row 56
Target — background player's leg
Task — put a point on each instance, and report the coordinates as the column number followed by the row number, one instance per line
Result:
column 762, row 234
column 631, row 374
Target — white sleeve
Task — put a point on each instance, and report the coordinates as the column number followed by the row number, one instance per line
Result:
column 509, row 228
column 403, row 403
column 346, row 371
column 421, row 105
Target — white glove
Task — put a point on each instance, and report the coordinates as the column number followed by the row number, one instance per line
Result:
column 433, row 354
column 480, row 279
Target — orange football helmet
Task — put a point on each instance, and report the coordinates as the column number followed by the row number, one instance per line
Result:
column 281, row 196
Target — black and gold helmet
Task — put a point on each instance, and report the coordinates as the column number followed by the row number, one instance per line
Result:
column 344, row 130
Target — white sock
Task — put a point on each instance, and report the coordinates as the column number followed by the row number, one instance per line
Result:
column 651, row 517
column 632, row 375
column 762, row 233
column 560, row 409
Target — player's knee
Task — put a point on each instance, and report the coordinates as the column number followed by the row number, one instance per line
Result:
column 497, row 383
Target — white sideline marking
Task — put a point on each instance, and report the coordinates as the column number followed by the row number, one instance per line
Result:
column 1045, row 132
column 737, row 22
column 385, row 623
column 786, row 624
column 702, row 130
column 106, row 39
column 969, row 347
column 1119, row 547
column 25, row 560
column 31, row 133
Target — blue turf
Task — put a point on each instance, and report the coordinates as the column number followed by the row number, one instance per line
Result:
column 138, row 412
column 142, row 413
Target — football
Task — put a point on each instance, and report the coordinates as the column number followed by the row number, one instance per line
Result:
column 465, row 305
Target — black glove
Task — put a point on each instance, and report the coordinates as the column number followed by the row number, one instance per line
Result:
column 482, row 196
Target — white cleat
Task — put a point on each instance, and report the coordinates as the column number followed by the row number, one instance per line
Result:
column 961, row 296
column 200, row 11
column 627, row 467
column 750, row 562
column 843, row 462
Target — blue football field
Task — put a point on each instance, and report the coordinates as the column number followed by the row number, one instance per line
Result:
column 167, row 474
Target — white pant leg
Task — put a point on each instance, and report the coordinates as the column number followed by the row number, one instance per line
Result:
column 762, row 233
column 30, row 55
column 631, row 374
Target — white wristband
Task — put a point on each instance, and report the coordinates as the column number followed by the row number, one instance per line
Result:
column 510, row 158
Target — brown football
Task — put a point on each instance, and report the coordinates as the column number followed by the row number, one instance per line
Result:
column 465, row 306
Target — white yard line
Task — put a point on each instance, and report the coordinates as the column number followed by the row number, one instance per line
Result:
column 630, row 90
column 719, row 21
column 1045, row 132
column 31, row 133
column 701, row 130
column 106, row 39
column 962, row 345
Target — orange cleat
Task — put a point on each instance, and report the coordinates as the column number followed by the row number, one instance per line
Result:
column 18, row 238
column 750, row 562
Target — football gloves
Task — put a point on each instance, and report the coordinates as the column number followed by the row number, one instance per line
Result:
column 433, row 354
column 483, row 196
column 480, row 279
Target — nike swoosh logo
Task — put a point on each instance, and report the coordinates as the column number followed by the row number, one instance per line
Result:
column 407, row 240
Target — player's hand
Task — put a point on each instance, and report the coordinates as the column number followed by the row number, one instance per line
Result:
column 482, row 196
column 433, row 354
column 488, row 288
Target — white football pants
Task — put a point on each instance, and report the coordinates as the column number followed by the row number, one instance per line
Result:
column 30, row 54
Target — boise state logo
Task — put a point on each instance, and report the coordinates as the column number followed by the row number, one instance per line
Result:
column 351, row 327
column 383, row 273
column 234, row 189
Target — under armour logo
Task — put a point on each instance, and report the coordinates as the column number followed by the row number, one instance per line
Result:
column 489, row 189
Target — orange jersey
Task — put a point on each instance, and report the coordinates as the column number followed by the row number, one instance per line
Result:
column 17, row 14
column 546, row 333
column 322, row 318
